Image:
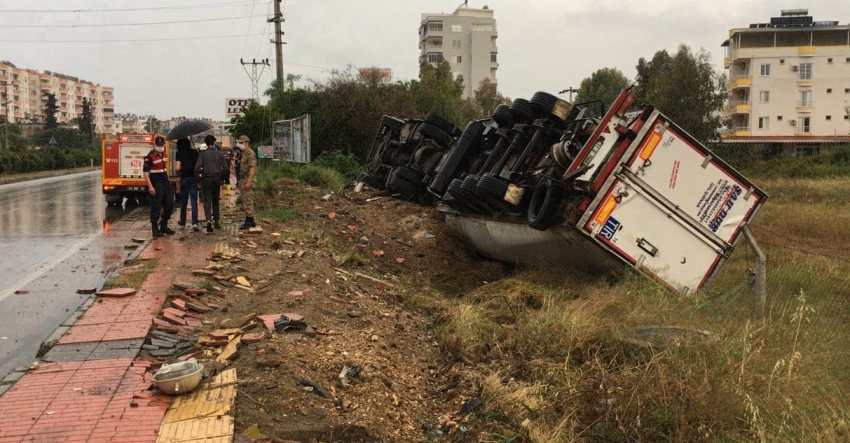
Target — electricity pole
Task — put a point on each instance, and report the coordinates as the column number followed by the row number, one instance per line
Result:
column 6, row 107
column 570, row 90
column 278, row 42
column 255, row 76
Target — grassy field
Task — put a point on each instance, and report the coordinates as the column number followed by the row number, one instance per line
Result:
column 567, row 359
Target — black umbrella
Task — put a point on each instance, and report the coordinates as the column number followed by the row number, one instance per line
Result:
column 188, row 128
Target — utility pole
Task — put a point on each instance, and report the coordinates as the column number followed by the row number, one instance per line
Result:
column 6, row 119
column 570, row 90
column 278, row 42
column 255, row 76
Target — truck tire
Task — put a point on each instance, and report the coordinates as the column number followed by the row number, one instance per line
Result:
column 442, row 124
column 470, row 182
column 521, row 110
column 370, row 181
column 502, row 115
column 542, row 103
column 492, row 187
column 408, row 189
column 408, row 174
column 434, row 133
column 545, row 204
column 392, row 123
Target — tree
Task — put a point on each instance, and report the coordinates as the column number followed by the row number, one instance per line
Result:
column 153, row 126
column 255, row 122
column 604, row 85
column 66, row 138
column 17, row 141
column 686, row 88
column 439, row 92
column 483, row 101
column 50, row 110
column 85, row 122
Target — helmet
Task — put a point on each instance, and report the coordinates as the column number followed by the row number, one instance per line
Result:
column 159, row 140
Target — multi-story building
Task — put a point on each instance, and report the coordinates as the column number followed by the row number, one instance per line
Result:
column 26, row 99
column 789, row 84
column 466, row 39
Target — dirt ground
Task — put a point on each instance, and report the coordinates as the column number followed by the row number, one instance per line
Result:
column 401, row 387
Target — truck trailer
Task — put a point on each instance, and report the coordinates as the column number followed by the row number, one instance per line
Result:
column 542, row 181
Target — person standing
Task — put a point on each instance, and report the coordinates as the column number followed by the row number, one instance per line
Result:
column 247, row 169
column 186, row 158
column 209, row 169
column 162, row 196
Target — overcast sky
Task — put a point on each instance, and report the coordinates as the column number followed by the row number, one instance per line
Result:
column 544, row 45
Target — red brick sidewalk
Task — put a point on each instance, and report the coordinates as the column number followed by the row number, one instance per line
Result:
column 101, row 400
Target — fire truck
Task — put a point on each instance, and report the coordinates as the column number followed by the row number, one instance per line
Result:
column 121, row 166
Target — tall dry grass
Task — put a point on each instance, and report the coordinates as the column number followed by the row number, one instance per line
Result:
column 560, row 358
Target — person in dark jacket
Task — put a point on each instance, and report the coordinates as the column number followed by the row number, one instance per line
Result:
column 186, row 158
column 209, row 169
column 162, row 196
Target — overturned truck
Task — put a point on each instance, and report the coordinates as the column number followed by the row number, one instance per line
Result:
column 542, row 181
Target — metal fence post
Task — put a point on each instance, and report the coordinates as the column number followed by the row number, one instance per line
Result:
column 761, row 274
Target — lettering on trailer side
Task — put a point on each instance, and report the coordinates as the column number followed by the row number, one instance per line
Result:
column 610, row 228
column 724, row 210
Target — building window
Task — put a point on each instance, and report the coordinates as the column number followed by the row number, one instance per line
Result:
column 828, row 117
column 804, row 125
column 805, row 98
column 847, row 59
column 807, row 150
column 765, row 70
column 492, row 41
column 456, row 44
column 847, row 117
column 779, row 118
column 805, row 71
column 435, row 26
column 458, row 59
column 493, row 57
column 829, row 90
column 435, row 57
column 764, row 122
column 764, row 96
column 457, row 28
column 829, row 60
column 781, row 61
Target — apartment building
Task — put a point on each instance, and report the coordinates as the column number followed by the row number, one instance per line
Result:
column 26, row 88
column 789, row 84
column 465, row 38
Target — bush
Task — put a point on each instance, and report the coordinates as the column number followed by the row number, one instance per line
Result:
column 322, row 177
column 46, row 159
column 346, row 164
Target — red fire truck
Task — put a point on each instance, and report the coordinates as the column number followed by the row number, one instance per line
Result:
column 121, row 166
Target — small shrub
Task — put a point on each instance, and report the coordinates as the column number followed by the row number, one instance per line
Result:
column 345, row 164
column 322, row 177
column 276, row 213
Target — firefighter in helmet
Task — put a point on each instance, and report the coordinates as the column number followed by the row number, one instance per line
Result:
column 159, row 188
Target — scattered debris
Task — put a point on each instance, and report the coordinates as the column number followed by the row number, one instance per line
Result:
column 87, row 291
column 350, row 374
column 116, row 292
column 22, row 291
column 371, row 281
column 310, row 385
column 138, row 240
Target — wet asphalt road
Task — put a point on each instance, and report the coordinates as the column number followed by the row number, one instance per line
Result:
column 57, row 235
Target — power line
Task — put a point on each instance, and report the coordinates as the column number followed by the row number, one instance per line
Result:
column 250, row 22
column 152, row 8
column 126, row 41
column 103, row 25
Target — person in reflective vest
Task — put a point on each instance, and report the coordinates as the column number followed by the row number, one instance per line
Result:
column 159, row 188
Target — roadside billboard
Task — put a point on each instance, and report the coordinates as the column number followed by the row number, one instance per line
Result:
column 234, row 107
column 291, row 139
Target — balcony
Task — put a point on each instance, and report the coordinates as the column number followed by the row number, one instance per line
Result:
column 739, row 81
column 805, row 106
column 735, row 131
column 806, row 51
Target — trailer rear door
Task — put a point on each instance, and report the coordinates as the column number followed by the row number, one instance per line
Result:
column 672, row 208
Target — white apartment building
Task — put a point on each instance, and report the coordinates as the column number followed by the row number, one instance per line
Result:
column 26, row 100
column 465, row 38
column 789, row 84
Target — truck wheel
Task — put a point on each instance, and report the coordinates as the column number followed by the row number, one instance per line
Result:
column 410, row 190
column 545, row 204
column 521, row 110
column 410, row 175
column 392, row 123
column 436, row 134
column 491, row 186
column 370, row 181
column 442, row 124
column 542, row 103
column 469, row 184
column 502, row 115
